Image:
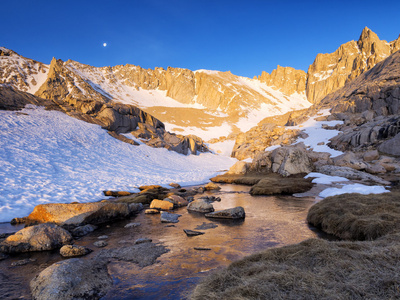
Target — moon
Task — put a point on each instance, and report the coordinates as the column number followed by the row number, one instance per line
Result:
column 104, row 44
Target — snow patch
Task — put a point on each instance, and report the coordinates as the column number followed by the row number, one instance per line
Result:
column 353, row 188
column 325, row 179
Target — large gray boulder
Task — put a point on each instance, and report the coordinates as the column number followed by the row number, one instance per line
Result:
column 36, row 238
column 392, row 146
column 291, row 160
column 72, row 279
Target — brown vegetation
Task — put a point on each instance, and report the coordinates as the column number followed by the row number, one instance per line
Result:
column 357, row 217
column 313, row 269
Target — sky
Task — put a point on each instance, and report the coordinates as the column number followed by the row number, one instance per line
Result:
column 244, row 37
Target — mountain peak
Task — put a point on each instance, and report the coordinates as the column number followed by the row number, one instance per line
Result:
column 368, row 34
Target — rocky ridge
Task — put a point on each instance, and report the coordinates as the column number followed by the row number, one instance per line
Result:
column 331, row 71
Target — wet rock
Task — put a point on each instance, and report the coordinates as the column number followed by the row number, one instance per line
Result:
column 143, row 254
column 74, row 250
column 230, row 213
column 135, row 207
column 192, row 232
column 102, row 237
column 276, row 185
column 72, row 279
column 148, row 193
column 201, row 206
column 132, row 225
column 212, row 186
column 177, row 201
column 161, row 205
column 205, row 226
column 151, row 211
column 210, row 199
column 167, row 217
column 143, row 240
column 23, row 262
column 36, row 238
column 100, row 244
column 79, row 213
column 83, row 230
column 202, row 248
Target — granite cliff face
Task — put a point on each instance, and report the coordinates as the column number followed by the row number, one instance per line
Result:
column 332, row 71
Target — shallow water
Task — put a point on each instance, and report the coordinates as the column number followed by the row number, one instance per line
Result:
column 270, row 222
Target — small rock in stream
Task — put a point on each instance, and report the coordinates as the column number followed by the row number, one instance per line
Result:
column 192, row 232
column 202, row 248
column 132, row 225
column 23, row 262
column 151, row 211
column 206, row 226
column 103, row 237
column 167, row 217
column 100, row 244
column 143, row 240
column 74, row 250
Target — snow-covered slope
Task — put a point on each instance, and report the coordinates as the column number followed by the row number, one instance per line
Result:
column 47, row 156
column 22, row 73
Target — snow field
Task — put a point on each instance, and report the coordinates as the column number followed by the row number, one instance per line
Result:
column 47, row 156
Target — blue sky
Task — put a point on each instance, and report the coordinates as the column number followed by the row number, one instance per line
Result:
column 244, row 37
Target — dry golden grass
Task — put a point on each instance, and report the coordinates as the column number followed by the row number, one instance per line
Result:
column 357, row 217
column 313, row 269
column 319, row 269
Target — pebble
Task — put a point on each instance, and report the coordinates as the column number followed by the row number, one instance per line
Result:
column 100, row 244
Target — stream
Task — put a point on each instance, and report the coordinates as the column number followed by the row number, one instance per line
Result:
column 271, row 221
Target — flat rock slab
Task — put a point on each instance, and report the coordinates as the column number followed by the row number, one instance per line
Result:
column 230, row 213
column 192, row 232
column 167, row 217
column 78, row 213
column 277, row 185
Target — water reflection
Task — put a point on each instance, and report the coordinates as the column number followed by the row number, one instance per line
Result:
column 270, row 222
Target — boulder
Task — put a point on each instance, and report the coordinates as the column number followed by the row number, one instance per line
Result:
column 167, row 217
column 36, row 238
column 230, row 213
column 212, row 186
column 201, row 206
column 79, row 213
column 161, row 205
column 291, row 160
column 175, row 185
column 377, row 168
column 177, row 201
column 240, row 167
column 350, row 160
column 74, row 250
column 371, row 155
column 392, row 146
column 276, row 185
column 72, row 279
